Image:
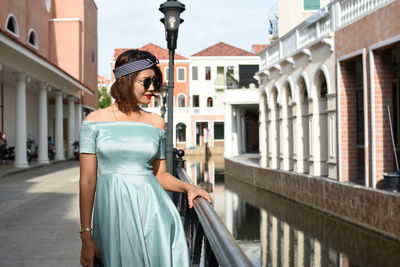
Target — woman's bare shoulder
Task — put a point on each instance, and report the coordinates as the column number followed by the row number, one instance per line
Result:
column 156, row 120
column 99, row 115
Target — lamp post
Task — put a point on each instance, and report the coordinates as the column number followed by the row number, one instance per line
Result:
column 164, row 100
column 171, row 10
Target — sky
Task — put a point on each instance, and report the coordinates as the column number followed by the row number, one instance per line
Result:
column 135, row 23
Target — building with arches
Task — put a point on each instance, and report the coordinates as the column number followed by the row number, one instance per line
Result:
column 48, row 73
column 329, row 101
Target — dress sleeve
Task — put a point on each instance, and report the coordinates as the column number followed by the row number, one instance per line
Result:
column 87, row 139
column 161, row 146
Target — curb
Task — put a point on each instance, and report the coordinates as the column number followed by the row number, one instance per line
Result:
column 6, row 173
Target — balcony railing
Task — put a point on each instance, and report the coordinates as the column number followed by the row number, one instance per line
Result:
column 319, row 26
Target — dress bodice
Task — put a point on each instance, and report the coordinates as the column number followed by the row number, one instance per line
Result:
column 123, row 146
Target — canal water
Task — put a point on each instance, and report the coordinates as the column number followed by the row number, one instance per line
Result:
column 275, row 231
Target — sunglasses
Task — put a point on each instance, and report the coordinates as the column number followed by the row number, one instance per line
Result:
column 146, row 82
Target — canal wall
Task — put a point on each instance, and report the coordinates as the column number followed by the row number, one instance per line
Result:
column 370, row 208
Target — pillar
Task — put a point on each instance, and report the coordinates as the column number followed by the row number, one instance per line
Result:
column 59, row 137
column 43, row 156
column 228, row 131
column 243, row 132
column 71, row 126
column 20, row 123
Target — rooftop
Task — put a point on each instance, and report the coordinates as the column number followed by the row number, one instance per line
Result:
column 158, row 51
column 223, row 49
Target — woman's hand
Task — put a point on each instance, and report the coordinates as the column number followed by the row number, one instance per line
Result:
column 89, row 250
column 194, row 191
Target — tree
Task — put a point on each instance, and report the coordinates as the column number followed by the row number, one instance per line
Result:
column 104, row 97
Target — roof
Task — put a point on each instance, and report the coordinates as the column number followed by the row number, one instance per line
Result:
column 223, row 49
column 257, row 48
column 19, row 42
column 157, row 51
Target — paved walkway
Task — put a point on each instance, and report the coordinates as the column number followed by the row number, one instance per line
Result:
column 39, row 217
column 8, row 168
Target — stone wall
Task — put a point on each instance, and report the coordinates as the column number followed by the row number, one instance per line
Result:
column 373, row 209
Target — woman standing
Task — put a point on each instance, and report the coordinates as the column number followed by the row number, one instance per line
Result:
column 123, row 175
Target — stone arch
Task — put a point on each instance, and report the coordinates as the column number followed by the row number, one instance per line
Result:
column 286, row 129
column 320, row 122
column 275, row 128
column 264, row 136
column 303, row 76
column 301, row 126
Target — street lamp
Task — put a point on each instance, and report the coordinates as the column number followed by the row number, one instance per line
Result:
column 164, row 100
column 171, row 10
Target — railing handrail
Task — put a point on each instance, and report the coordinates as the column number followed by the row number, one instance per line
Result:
column 224, row 246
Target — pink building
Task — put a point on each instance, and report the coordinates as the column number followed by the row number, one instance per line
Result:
column 48, row 69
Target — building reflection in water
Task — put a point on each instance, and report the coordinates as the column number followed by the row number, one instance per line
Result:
column 275, row 232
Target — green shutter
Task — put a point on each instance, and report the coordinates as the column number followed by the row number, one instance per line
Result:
column 312, row 4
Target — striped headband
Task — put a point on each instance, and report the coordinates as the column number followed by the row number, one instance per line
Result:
column 134, row 66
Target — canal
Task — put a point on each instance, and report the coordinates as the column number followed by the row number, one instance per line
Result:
column 275, row 231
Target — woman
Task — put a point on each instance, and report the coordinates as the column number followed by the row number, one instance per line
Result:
column 123, row 174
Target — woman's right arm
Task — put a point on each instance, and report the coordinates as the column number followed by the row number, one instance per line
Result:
column 87, row 188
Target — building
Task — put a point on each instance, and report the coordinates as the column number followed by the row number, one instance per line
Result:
column 368, row 77
column 48, row 67
column 327, row 87
column 215, row 71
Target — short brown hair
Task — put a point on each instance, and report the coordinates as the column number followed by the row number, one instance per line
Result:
column 121, row 90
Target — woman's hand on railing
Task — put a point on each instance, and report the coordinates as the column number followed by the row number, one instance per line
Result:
column 193, row 192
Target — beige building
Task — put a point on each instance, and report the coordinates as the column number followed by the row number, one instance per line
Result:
column 48, row 73
column 298, row 12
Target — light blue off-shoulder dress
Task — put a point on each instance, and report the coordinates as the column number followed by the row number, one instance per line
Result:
column 135, row 222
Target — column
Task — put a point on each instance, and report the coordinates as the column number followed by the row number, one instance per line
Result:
column 228, row 131
column 20, row 122
column 243, row 133
column 71, row 125
column 78, row 120
column 59, row 138
column 263, row 133
column 43, row 156
column 234, row 151
column 239, row 131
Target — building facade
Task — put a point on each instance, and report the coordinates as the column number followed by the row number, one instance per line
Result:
column 48, row 68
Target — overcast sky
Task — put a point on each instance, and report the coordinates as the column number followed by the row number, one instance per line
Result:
column 134, row 23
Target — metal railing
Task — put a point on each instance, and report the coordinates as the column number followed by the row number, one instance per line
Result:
column 206, row 234
column 322, row 24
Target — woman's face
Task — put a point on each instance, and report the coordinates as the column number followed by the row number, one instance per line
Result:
column 142, row 95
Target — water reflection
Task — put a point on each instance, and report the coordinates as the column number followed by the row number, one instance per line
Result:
column 274, row 231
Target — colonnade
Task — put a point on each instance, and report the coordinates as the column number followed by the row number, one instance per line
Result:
column 43, row 121
column 235, row 133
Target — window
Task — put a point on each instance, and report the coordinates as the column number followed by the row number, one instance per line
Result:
column 331, row 141
column 32, row 39
column 93, row 57
column 196, row 102
column 181, row 132
column 181, row 74
column 219, row 130
column 195, row 73
column 208, row 73
column 181, row 101
column 166, row 77
column 209, row 102
column 309, row 5
column 12, row 25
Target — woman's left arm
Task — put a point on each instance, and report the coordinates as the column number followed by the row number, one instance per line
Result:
column 171, row 183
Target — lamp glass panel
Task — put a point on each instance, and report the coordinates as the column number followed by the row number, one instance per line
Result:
column 172, row 20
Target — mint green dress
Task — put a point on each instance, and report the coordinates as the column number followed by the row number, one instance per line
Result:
column 135, row 222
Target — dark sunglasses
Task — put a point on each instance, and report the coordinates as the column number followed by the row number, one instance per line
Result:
column 146, row 82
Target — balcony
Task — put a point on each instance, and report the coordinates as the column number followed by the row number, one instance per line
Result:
column 320, row 27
